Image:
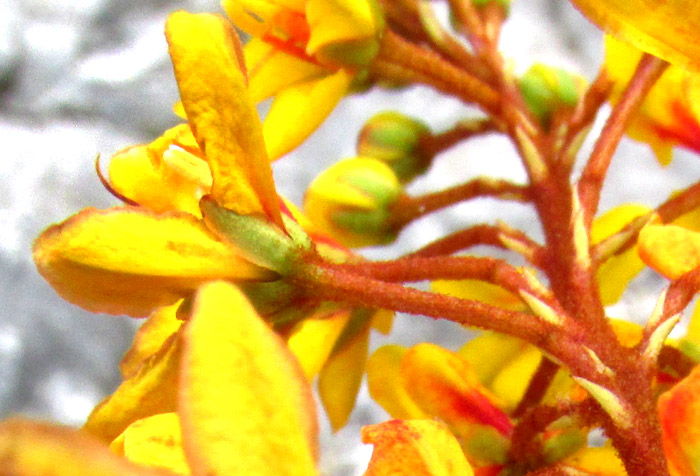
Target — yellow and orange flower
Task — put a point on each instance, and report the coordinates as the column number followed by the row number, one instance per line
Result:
column 306, row 54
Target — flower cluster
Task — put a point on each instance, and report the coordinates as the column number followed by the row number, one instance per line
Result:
column 249, row 300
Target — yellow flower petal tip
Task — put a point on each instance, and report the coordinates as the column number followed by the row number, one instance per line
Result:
column 670, row 250
column 151, row 390
column 665, row 28
column 206, row 54
column 32, row 449
column 155, row 442
column 131, row 260
column 352, row 201
column 243, row 397
column 416, row 448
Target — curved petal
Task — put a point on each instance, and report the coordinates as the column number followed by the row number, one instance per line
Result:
column 130, row 260
column 603, row 461
column 31, row 449
column 679, row 412
column 665, row 28
column 160, row 325
column 205, row 54
column 150, row 391
column 155, row 442
column 160, row 188
column 271, row 70
column 341, row 377
column 443, row 384
column 670, row 250
column 414, row 448
column 244, row 404
column 615, row 273
column 385, row 384
column 297, row 111
column 312, row 340
column 480, row 291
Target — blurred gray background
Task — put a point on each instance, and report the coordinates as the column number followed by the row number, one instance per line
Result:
column 89, row 76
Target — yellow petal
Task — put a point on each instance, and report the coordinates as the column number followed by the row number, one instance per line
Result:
column 39, row 449
column 513, row 379
column 133, row 174
column 669, row 249
column 679, row 412
column 244, row 404
column 205, row 53
column 480, row 291
column 154, row 441
column 341, row 376
column 690, row 344
column 312, row 340
column 386, row 385
column 615, row 273
column 151, row 336
column 271, row 70
column 602, row 461
column 490, row 352
column 443, row 384
column 414, row 448
column 340, row 21
column 666, row 117
column 150, row 391
column 665, row 28
column 297, row 111
column 130, row 260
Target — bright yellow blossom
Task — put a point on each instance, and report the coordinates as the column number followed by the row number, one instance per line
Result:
column 131, row 259
column 305, row 53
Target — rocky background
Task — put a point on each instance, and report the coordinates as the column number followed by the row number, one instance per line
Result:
column 92, row 76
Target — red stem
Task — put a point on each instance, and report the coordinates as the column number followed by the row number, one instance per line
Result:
column 648, row 71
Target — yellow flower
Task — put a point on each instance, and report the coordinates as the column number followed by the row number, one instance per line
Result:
column 665, row 28
column 235, row 397
column 670, row 114
column 305, row 54
column 131, row 259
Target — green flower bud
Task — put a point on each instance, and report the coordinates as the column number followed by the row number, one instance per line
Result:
column 352, row 200
column 548, row 89
column 394, row 139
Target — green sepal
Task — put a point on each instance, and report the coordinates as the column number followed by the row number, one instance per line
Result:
column 257, row 239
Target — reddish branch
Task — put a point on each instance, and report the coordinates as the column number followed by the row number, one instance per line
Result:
column 408, row 209
column 648, row 71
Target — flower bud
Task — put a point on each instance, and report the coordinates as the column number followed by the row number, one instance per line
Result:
column 395, row 140
column 345, row 34
column 547, row 90
column 351, row 201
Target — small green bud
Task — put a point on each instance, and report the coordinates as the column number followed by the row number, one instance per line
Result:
column 258, row 240
column 394, row 139
column 548, row 89
column 352, row 200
